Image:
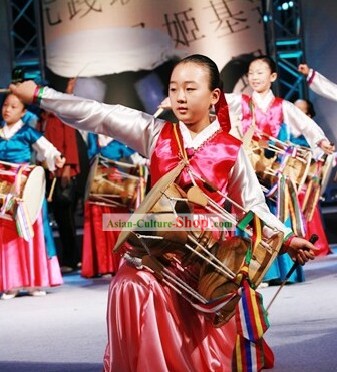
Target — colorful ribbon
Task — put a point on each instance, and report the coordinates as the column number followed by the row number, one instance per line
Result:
column 251, row 322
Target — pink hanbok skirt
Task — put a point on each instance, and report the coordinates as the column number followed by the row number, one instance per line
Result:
column 152, row 328
column 26, row 264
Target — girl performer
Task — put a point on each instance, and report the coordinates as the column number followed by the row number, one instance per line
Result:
column 271, row 113
column 277, row 118
column 25, row 264
column 150, row 326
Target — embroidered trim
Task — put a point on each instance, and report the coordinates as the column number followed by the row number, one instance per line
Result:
column 37, row 96
column 208, row 139
column 311, row 77
column 288, row 241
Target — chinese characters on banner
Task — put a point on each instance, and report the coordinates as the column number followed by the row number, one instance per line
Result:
column 102, row 37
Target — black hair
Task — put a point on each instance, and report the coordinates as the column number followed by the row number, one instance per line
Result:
column 12, row 94
column 209, row 65
column 311, row 110
column 268, row 60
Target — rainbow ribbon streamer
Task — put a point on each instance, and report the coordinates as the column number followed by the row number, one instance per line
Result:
column 252, row 323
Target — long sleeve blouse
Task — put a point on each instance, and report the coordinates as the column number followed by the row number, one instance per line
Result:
column 321, row 85
column 297, row 122
column 140, row 131
column 18, row 141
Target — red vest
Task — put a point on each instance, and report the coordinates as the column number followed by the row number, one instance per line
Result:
column 268, row 122
column 213, row 160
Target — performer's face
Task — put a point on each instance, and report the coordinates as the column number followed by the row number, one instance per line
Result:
column 260, row 76
column 190, row 95
column 12, row 109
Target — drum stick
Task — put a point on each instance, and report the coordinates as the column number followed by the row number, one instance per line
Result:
column 158, row 112
column 313, row 239
column 106, row 162
column 4, row 90
column 141, row 183
column 284, row 144
column 51, row 192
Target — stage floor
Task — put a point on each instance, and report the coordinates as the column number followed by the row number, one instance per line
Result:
column 66, row 330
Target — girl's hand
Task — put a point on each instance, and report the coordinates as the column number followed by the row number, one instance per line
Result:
column 304, row 68
column 301, row 250
column 59, row 161
column 24, row 91
column 64, row 175
column 165, row 104
column 327, row 146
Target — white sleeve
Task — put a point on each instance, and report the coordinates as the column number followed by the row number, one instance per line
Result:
column 234, row 102
column 300, row 123
column 46, row 151
column 138, row 159
column 245, row 189
column 138, row 130
column 322, row 86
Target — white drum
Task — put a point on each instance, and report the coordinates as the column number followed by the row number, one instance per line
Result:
column 21, row 183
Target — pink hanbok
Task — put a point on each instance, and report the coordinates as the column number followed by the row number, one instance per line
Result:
column 25, row 264
column 150, row 327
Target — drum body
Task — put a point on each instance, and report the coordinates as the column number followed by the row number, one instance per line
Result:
column 21, row 183
column 269, row 161
column 115, row 183
column 322, row 169
column 204, row 264
column 316, row 184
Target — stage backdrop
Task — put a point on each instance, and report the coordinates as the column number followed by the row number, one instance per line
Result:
column 128, row 43
column 321, row 54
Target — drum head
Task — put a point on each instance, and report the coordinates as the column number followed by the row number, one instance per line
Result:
column 91, row 175
column 149, row 201
column 34, row 192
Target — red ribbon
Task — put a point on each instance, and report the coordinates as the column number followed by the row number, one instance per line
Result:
column 222, row 112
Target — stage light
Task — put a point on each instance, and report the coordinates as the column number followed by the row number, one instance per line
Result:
column 286, row 5
column 266, row 18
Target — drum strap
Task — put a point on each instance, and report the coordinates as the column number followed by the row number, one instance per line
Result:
column 182, row 149
column 256, row 237
column 247, row 138
column 288, row 207
column 250, row 314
